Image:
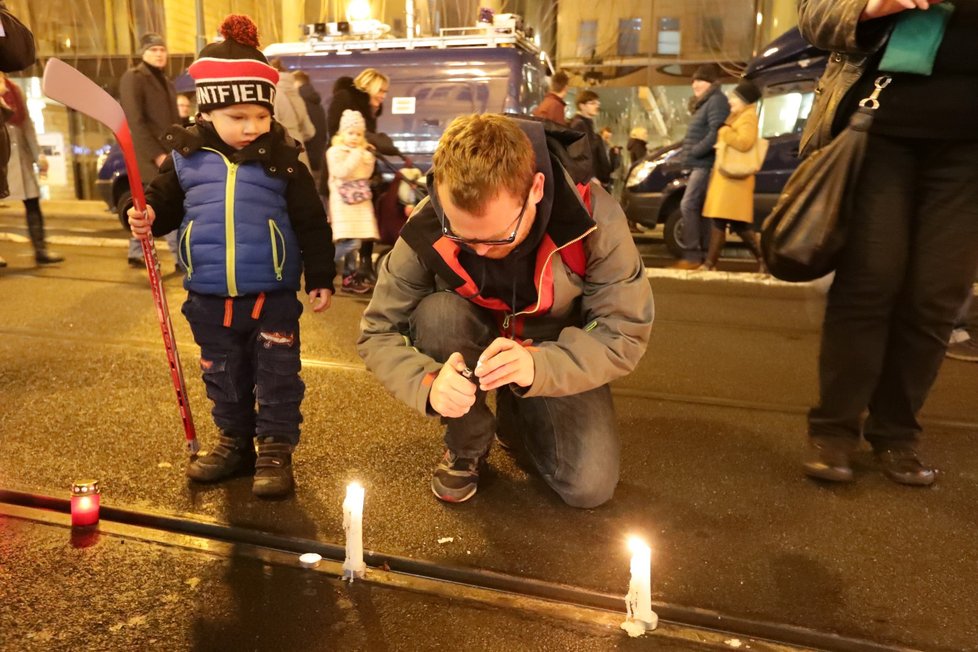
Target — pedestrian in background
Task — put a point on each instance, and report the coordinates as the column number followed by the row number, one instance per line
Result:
column 588, row 108
column 709, row 108
column 553, row 107
column 613, row 152
column 351, row 208
column 364, row 94
column 911, row 245
column 149, row 101
column 730, row 202
column 25, row 161
column 290, row 110
column 185, row 110
column 242, row 281
column 637, row 145
column 315, row 146
column 16, row 53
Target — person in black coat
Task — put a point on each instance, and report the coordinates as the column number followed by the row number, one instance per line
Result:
column 588, row 107
column 364, row 93
column 16, row 53
column 315, row 146
column 149, row 101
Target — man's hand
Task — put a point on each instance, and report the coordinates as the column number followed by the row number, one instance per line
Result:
column 880, row 8
column 320, row 298
column 452, row 394
column 503, row 362
column 141, row 223
column 159, row 160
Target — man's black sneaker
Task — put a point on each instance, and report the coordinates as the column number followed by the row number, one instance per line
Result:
column 828, row 460
column 456, row 479
column 233, row 456
column 904, row 467
column 273, row 470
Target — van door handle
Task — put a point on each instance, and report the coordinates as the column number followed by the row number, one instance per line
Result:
column 429, row 122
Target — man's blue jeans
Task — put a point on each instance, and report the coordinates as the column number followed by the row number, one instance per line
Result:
column 696, row 229
column 572, row 441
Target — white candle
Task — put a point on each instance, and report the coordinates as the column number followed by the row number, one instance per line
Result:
column 353, row 566
column 638, row 602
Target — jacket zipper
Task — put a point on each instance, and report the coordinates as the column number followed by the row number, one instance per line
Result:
column 543, row 269
column 184, row 249
column 229, row 264
column 273, row 230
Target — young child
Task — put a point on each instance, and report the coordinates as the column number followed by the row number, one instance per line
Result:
column 351, row 209
column 250, row 222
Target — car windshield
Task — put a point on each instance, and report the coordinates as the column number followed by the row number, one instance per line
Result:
column 785, row 113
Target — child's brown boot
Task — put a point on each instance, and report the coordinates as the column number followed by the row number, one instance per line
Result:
column 233, row 456
column 273, row 470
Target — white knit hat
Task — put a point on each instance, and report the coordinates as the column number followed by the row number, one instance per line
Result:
column 351, row 119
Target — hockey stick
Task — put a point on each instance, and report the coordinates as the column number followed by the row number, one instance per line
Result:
column 64, row 84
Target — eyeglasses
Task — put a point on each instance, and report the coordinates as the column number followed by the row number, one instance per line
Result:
column 446, row 230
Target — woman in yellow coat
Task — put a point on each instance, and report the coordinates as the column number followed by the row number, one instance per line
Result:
column 730, row 202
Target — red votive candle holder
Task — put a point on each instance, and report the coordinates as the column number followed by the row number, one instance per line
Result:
column 85, row 501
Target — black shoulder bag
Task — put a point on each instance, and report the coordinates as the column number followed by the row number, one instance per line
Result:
column 802, row 237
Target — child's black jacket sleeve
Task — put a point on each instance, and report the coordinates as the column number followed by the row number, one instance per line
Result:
column 315, row 236
column 165, row 195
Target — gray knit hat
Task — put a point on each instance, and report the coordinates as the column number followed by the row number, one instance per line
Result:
column 150, row 40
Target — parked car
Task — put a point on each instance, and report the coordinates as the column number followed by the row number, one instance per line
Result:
column 787, row 72
column 432, row 80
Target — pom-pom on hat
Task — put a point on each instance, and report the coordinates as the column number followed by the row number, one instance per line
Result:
column 234, row 71
column 352, row 120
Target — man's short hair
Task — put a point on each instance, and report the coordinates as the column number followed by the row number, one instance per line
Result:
column 586, row 96
column 300, row 76
column 559, row 82
column 481, row 154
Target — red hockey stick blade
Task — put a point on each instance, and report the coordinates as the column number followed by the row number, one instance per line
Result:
column 64, row 84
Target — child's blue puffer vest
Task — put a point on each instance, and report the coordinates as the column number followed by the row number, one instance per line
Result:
column 235, row 238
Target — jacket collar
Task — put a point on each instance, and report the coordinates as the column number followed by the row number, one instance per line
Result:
column 562, row 211
column 276, row 150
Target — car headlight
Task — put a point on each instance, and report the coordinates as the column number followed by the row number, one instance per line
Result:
column 641, row 172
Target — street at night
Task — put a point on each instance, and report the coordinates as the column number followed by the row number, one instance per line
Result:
column 712, row 426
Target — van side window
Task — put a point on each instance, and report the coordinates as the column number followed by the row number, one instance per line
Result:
column 785, row 113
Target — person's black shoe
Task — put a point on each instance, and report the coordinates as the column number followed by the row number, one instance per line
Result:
column 233, row 456
column 904, row 467
column 273, row 470
column 136, row 262
column 456, row 479
column 45, row 257
column 828, row 461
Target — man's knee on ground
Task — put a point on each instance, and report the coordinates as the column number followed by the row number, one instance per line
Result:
column 587, row 492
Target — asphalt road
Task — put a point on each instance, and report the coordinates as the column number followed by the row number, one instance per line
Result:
column 712, row 427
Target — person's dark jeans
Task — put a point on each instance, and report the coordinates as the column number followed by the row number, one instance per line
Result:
column 908, row 264
column 255, row 359
column 572, row 441
column 696, row 228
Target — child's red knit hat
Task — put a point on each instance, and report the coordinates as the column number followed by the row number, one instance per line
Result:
column 234, row 71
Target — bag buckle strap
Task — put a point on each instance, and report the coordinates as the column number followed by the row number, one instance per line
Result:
column 872, row 102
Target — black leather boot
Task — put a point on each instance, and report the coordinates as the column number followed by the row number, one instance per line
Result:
column 35, row 227
column 233, row 456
